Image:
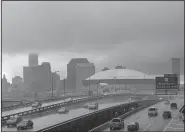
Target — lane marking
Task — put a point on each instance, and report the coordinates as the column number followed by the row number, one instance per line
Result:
column 176, row 128
column 177, row 124
column 146, row 127
column 168, row 124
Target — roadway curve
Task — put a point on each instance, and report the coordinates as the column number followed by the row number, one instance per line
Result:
column 55, row 118
column 156, row 123
column 5, row 113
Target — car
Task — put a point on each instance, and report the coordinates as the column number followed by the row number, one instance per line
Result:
column 25, row 124
column 133, row 126
column 93, row 106
column 167, row 114
column 166, row 102
column 152, row 111
column 117, row 123
column 173, row 105
column 86, row 105
column 68, row 99
column 63, row 110
column 36, row 105
column 13, row 121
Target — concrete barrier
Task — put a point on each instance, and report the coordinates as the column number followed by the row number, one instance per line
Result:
column 92, row 120
column 52, row 107
column 106, row 124
column 43, row 101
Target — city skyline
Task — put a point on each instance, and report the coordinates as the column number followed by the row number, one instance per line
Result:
column 106, row 34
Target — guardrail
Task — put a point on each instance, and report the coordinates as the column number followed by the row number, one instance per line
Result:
column 106, row 124
column 45, row 108
column 50, row 107
column 30, row 103
column 89, row 121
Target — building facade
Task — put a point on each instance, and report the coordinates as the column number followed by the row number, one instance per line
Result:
column 83, row 71
column 37, row 78
column 17, row 84
column 176, row 67
column 71, row 72
column 33, row 59
column 55, row 79
column 5, row 85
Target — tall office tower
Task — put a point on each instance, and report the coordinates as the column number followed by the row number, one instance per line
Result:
column 83, row 71
column 55, row 79
column 71, row 72
column 37, row 78
column 4, row 84
column 33, row 59
column 176, row 67
column 17, row 82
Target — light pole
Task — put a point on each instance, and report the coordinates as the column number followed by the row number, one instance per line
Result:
column 52, row 83
column 89, row 86
column 64, row 85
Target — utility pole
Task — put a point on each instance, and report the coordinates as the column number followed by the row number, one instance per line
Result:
column 89, row 86
column 64, row 85
column 52, row 84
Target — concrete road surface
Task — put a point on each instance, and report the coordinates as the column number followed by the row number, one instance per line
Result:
column 156, row 123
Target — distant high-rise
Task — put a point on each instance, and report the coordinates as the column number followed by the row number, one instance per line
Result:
column 176, row 67
column 33, row 59
column 4, row 84
column 37, row 78
column 78, row 69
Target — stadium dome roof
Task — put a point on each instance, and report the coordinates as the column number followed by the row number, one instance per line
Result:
column 120, row 74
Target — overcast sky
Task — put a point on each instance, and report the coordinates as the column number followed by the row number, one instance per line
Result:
column 140, row 35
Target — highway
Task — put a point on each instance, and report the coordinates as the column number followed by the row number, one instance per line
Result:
column 157, row 123
column 52, row 119
column 5, row 113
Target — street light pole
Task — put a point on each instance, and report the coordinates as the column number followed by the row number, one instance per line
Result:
column 52, row 85
column 64, row 85
column 89, row 86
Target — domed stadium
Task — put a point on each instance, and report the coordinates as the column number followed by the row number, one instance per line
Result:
column 121, row 79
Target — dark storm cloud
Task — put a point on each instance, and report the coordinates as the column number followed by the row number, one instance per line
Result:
column 142, row 35
column 87, row 25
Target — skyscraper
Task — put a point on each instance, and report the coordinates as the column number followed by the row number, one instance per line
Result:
column 4, row 84
column 76, row 73
column 176, row 67
column 33, row 59
column 37, row 78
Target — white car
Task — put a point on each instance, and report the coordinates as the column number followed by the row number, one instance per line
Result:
column 93, row 106
column 68, row 99
column 86, row 105
column 63, row 110
column 152, row 111
column 36, row 105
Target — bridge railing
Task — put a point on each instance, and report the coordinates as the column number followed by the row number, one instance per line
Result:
column 50, row 107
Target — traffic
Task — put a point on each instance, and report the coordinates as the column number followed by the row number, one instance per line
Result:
column 62, row 114
column 158, row 118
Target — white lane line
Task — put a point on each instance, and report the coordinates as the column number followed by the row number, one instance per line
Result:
column 146, row 127
column 168, row 124
column 177, row 124
column 176, row 128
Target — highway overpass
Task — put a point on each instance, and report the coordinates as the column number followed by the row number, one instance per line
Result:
column 46, row 120
column 51, row 119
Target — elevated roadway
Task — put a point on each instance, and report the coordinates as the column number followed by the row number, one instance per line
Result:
column 55, row 118
column 157, row 123
column 5, row 113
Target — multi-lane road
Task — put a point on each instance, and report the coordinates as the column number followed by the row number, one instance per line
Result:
column 5, row 113
column 55, row 118
column 157, row 123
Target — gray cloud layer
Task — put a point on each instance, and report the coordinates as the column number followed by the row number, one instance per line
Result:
column 128, row 32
